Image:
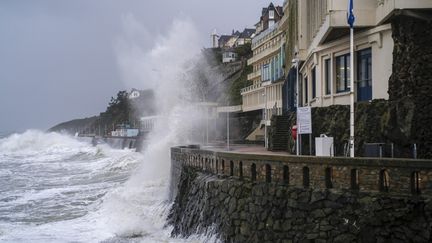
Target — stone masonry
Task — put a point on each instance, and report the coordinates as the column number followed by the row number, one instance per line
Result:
column 265, row 198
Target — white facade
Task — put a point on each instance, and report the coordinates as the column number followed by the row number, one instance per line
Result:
column 268, row 75
column 321, row 80
column 134, row 94
column 323, row 44
column 148, row 123
column 125, row 132
column 229, row 56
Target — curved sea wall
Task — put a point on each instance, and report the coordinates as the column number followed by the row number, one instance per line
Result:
column 274, row 198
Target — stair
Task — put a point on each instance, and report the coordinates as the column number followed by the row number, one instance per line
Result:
column 280, row 133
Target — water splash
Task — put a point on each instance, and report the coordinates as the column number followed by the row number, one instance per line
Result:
column 140, row 207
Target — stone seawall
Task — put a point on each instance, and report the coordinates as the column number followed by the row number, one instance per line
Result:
column 117, row 142
column 264, row 198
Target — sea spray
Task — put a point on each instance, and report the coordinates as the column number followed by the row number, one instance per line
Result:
column 139, row 208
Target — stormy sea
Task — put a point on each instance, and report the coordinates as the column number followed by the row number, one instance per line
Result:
column 58, row 188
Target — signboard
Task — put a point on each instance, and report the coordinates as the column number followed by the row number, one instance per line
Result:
column 304, row 120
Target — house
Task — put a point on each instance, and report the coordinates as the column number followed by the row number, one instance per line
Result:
column 320, row 43
column 265, row 93
column 227, row 41
column 245, row 37
column 124, row 130
column 269, row 16
column 236, row 38
column 142, row 103
column 134, row 94
column 229, row 55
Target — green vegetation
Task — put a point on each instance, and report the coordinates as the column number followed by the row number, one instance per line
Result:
column 238, row 84
column 244, row 51
column 117, row 112
column 119, row 109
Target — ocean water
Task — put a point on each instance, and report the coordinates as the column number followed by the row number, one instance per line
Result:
column 55, row 188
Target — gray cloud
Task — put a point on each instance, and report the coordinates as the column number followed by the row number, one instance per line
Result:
column 58, row 59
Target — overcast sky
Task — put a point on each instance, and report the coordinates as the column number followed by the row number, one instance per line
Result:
column 58, row 60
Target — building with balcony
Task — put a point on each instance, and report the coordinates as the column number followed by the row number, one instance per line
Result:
column 268, row 62
column 318, row 40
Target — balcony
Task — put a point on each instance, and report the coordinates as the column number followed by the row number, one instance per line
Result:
column 260, row 38
column 225, row 109
column 254, row 75
column 387, row 8
column 250, row 88
column 264, row 54
column 333, row 23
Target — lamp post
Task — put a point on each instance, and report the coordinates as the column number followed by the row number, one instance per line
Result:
column 265, row 118
column 296, row 62
column 228, row 131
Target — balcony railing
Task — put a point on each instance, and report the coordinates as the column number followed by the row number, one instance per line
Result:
column 264, row 54
column 250, row 88
column 224, row 109
column 254, row 75
column 265, row 33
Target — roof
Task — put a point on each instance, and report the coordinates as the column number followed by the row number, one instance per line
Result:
column 278, row 9
column 247, row 33
column 229, row 50
column 225, row 38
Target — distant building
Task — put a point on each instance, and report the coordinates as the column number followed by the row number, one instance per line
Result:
column 269, row 17
column 268, row 61
column 134, row 94
column 215, row 41
column 236, row 38
column 124, row 130
column 142, row 102
column 229, row 55
column 245, row 37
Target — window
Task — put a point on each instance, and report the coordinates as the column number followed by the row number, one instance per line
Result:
column 415, row 183
column 329, row 177
column 231, row 168
column 343, row 73
column 306, row 90
column 327, row 76
column 384, row 181
column 253, row 172
column 286, row 175
column 271, row 14
column 265, row 72
column 355, row 179
column 268, row 173
column 313, row 83
column 306, row 177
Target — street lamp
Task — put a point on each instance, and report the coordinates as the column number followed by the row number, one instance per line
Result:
column 296, row 64
column 265, row 118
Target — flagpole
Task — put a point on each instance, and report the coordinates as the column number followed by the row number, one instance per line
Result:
column 352, row 93
column 351, row 20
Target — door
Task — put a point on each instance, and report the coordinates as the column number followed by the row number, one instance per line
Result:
column 364, row 75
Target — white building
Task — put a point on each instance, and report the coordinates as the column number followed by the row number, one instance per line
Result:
column 322, row 45
column 268, row 73
column 229, row 56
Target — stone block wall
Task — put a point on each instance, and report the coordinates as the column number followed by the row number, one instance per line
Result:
column 241, row 211
column 239, row 208
column 398, row 176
